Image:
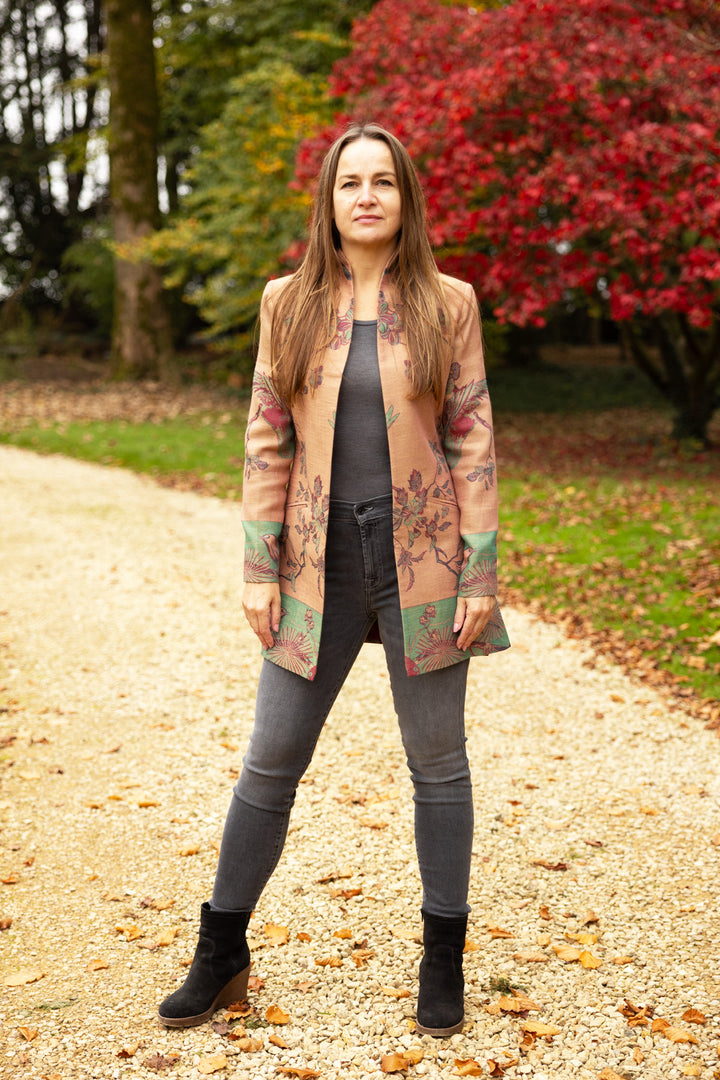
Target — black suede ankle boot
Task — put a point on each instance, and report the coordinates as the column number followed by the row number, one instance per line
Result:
column 219, row 971
column 441, row 1007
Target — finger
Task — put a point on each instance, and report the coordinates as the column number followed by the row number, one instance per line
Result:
column 460, row 609
column 275, row 610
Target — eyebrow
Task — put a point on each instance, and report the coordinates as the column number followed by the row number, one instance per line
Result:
column 375, row 176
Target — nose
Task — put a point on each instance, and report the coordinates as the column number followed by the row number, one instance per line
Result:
column 367, row 195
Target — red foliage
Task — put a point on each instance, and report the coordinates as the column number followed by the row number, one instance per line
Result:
column 566, row 146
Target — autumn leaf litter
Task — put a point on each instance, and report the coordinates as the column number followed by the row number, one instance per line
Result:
column 126, row 686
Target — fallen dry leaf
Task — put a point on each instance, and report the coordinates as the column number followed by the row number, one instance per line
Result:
column 23, row 977
column 128, row 1051
column 256, row 982
column 145, row 804
column 246, row 1044
column 191, row 849
column 96, row 965
column 28, row 1033
column 528, row 957
column 498, row 932
column 5, row 922
column 638, row 1056
column 275, row 1015
column 527, row 1042
column 130, row 932
column 694, row 1016
column 547, row 865
column 159, row 1062
column 518, row 1003
column 545, row 1031
column 168, row 936
column 345, row 894
column 279, row 935
column 692, row 1070
column 588, row 960
column 674, row 1034
column 392, row 992
column 623, row 960
column 568, row 953
column 345, row 932
column 11, row 879
column 302, row 935
column 360, row 957
column 544, row 912
column 305, row 985
column 212, row 1064
column 636, row 1015
column 328, row 961
column 609, row 1074
column 373, row 823
column 468, row 1067
column 277, row 1041
column 390, row 1063
column 584, row 938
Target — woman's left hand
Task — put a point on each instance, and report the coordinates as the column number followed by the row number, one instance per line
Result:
column 471, row 617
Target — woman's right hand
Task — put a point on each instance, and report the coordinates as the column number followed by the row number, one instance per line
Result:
column 261, row 604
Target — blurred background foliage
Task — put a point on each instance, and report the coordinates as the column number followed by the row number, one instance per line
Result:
column 250, row 93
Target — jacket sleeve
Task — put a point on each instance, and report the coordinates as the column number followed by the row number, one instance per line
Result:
column 269, row 451
column 468, row 442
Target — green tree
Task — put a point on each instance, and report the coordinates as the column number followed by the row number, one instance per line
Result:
column 241, row 214
column 142, row 344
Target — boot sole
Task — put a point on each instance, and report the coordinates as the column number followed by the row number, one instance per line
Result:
column 439, row 1033
column 235, row 990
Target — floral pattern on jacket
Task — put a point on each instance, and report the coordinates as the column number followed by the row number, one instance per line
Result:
column 443, row 483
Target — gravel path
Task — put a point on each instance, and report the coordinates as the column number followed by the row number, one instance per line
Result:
column 126, row 692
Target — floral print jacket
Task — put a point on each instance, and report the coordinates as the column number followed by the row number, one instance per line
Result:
column 443, row 481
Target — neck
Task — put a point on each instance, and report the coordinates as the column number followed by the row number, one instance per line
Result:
column 368, row 265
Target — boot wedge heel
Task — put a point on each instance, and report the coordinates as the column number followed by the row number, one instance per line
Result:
column 235, row 990
column 439, row 1033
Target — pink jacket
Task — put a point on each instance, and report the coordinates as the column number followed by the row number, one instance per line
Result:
column 443, row 481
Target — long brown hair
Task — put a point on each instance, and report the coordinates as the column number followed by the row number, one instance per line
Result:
column 304, row 317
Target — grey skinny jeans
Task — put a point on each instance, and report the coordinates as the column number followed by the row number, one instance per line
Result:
column 360, row 586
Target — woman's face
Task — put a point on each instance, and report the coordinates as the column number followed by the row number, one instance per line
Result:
column 366, row 198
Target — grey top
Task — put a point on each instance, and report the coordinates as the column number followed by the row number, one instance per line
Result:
column 361, row 458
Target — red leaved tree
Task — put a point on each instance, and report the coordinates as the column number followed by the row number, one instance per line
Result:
column 570, row 152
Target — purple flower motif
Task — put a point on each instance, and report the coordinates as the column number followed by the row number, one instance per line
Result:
column 428, row 615
column 390, row 325
column 343, row 328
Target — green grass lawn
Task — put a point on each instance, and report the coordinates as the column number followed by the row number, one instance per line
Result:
column 206, row 451
column 604, row 523
column 637, row 560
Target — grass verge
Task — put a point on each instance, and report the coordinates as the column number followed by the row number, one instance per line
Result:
column 203, row 452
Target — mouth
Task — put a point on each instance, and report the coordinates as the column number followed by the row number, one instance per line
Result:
column 367, row 218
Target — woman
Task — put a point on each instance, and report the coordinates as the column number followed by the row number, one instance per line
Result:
column 369, row 510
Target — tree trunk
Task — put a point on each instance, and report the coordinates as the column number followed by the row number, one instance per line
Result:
column 685, row 368
column 142, row 340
